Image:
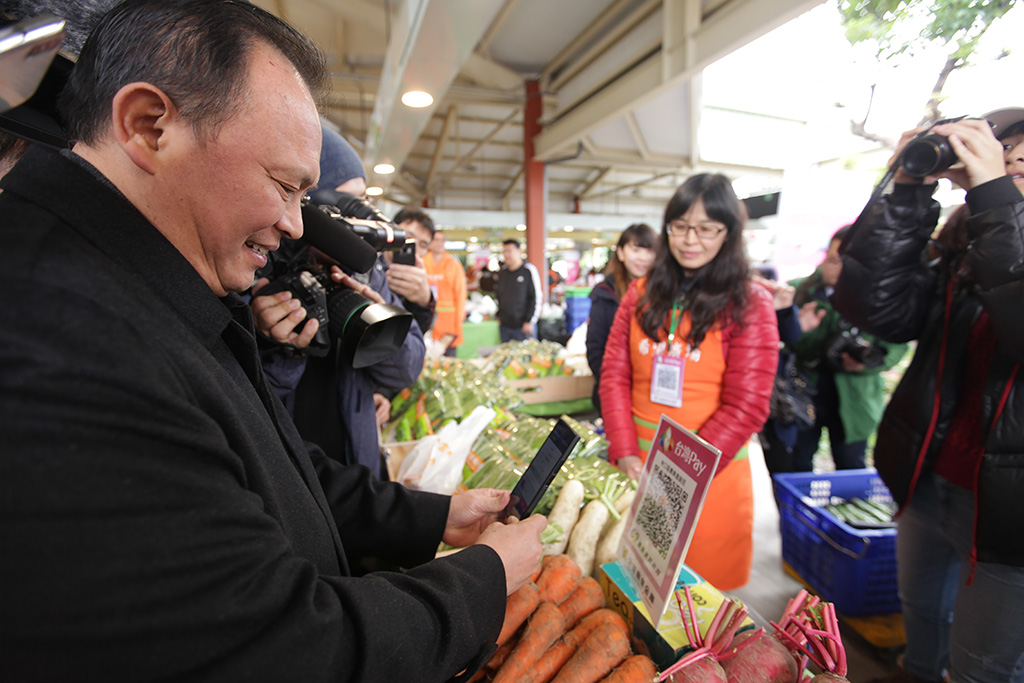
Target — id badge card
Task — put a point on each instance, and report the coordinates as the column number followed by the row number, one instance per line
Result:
column 667, row 380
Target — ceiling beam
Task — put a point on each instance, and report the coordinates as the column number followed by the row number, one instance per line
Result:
column 449, row 122
column 583, row 39
column 512, row 186
column 601, row 174
column 480, row 143
column 638, row 136
column 618, row 33
column 487, row 73
column 430, row 42
column 640, row 183
column 731, row 26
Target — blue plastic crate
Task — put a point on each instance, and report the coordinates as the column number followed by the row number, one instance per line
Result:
column 855, row 569
column 578, row 305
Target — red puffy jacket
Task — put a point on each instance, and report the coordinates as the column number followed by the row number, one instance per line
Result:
column 751, row 354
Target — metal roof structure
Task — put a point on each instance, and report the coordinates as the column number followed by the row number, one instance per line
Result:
column 620, row 82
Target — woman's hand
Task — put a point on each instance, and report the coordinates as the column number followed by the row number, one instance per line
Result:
column 632, row 465
column 980, row 153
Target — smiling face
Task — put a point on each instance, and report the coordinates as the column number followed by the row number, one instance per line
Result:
column 236, row 195
column 1013, row 154
column 637, row 260
column 690, row 251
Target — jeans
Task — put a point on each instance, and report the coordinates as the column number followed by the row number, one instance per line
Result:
column 510, row 333
column 976, row 631
column 846, row 456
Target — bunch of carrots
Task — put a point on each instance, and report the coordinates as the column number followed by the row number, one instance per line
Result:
column 557, row 629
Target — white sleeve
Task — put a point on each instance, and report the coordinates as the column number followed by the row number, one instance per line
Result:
column 539, row 290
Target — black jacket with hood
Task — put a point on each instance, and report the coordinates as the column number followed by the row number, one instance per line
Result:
column 887, row 288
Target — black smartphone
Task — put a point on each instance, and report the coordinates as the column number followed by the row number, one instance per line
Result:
column 407, row 254
column 541, row 472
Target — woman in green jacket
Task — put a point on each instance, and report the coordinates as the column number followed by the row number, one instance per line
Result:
column 845, row 366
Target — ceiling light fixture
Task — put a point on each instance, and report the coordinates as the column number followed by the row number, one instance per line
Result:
column 384, row 169
column 417, row 99
column 569, row 228
column 374, row 191
column 521, row 228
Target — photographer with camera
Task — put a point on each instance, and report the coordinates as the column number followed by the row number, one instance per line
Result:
column 161, row 516
column 951, row 443
column 844, row 366
column 335, row 404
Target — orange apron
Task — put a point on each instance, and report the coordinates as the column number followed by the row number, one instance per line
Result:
column 722, row 547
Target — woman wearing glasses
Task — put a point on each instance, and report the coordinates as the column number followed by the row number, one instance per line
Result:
column 698, row 341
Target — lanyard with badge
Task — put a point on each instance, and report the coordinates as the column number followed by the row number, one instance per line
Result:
column 668, row 370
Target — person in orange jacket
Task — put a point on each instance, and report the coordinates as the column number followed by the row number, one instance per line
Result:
column 447, row 279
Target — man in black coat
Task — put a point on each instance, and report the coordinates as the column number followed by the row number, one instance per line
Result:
column 161, row 517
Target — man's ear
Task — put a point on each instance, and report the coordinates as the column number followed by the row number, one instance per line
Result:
column 143, row 118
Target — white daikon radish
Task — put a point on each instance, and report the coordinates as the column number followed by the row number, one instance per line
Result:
column 583, row 542
column 564, row 514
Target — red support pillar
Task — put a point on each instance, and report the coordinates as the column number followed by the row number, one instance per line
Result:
column 534, row 184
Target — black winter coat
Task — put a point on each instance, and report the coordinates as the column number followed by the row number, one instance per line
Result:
column 160, row 517
column 886, row 288
column 604, row 303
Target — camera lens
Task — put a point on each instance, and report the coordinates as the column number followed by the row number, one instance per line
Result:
column 369, row 332
column 927, row 155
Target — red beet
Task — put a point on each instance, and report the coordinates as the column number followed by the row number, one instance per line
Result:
column 764, row 660
column 705, row 670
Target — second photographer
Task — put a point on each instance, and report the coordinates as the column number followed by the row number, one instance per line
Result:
column 336, row 403
column 845, row 366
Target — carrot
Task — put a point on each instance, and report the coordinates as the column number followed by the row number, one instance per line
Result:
column 536, row 574
column 500, row 655
column 558, row 578
column 519, row 606
column 558, row 654
column 587, row 597
column 636, row 669
column 601, row 652
column 543, row 629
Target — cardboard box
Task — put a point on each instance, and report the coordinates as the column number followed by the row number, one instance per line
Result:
column 394, row 454
column 665, row 645
column 553, row 389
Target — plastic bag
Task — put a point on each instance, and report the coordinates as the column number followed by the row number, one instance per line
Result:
column 435, row 463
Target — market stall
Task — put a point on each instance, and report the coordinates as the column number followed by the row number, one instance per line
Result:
column 585, row 616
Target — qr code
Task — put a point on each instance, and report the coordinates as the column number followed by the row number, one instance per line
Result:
column 661, row 511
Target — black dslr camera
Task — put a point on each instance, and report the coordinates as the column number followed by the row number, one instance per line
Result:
column 929, row 153
column 850, row 341
column 350, row 232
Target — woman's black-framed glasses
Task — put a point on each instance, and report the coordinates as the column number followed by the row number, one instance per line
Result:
column 704, row 231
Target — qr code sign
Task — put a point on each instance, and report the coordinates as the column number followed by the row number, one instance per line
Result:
column 663, row 508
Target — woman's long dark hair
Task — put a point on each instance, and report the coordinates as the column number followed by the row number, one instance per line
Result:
column 719, row 289
column 640, row 234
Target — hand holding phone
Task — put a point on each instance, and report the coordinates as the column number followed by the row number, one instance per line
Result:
column 541, row 472
column 406, row 255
